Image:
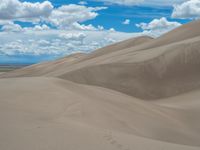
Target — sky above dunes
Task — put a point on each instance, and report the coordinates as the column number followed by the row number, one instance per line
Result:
column 35, row 30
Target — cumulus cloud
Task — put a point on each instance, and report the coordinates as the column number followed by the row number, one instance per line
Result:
column 37, row 28
column 78, row 26
column 56, row 42
column 41, row 27
column 61, row 30
column 66, row 16
column 11, row 27
column 90, row 27
column 158, row 26
column 73, row 36
column 189, row 9
column 112, row 30
column 126, row 22
column 54, row 31
column 16, row 10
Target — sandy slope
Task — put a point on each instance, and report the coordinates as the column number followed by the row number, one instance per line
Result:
column 139, row 94
column 46, row 67
column 147, row 75
column 49, row 113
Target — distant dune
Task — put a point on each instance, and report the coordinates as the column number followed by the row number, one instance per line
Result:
column 139, row 94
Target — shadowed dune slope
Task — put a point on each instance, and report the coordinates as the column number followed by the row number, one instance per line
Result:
column 153, row 74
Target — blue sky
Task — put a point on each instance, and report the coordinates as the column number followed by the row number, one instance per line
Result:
column 114, row 15
column 32, row 31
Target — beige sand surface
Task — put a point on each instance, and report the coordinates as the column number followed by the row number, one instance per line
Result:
column 139, row 94
column 48, row 113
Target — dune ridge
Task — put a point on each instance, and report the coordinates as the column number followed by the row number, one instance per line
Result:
column 142, row 93
column 146, row 76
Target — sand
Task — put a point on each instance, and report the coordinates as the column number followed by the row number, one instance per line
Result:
column 139, row 94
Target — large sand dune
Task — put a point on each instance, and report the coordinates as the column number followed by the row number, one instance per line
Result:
column 150, row 74
column 139, row 94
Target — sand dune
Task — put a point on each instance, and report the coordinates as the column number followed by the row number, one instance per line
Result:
column 165, row 71
column 139, row 94
column 130, row 43
column 35, row 108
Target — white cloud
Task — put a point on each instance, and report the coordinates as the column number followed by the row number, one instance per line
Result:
column 43, row 43
column 36, row 28
column 68, row 36
column 188, row 9
column 77, row 26
column 112, row 30
column 16, row 10
column 60, row 31
column 90, row 27
column 11, row 27
column 41, row 28
column 142, row 2
column 66, row 16
column 82, row 3
column 3, row 22
column 162, row 2
column 123, row 2
column 126, row 22
column 100, row 27
column 73, row 36
column 56, row 42
column 158, row 26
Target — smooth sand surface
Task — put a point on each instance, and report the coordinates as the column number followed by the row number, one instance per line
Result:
column 49, row 113
column 139, row 94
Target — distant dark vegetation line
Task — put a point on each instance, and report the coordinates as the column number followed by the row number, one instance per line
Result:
column 10, row 67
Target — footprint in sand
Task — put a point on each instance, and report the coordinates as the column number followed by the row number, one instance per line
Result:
column 110, row 139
